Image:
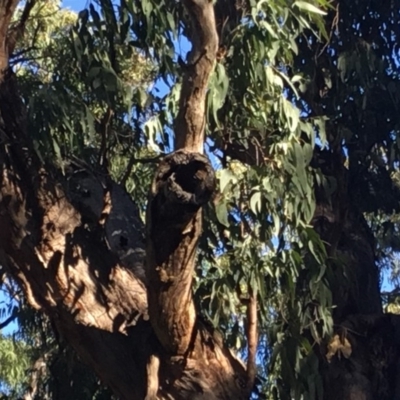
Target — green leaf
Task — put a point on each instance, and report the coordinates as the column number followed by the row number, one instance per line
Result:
column 303, row 5
column 225, row 178
column 255, row 202
column 221, row 210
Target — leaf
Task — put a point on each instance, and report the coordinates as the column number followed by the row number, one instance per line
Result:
column 255, row 202
column 142, row 97
column 125, row 23
column 303, row 5
column 221, row 210
column 218, row 90
column 96, row 18
column 225, row 177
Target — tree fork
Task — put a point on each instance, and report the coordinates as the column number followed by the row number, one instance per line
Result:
column 202, row 366
column 184, row 182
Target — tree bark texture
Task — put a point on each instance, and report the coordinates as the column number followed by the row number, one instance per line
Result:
column 371, row 370
column 76, row 246
column 184, row 182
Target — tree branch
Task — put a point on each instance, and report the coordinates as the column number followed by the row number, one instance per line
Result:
column 17, row 32
column 74, row 271
column 74, row 266
column 7, row 321
column 184, row 182
column 252, row 339
column 190, row 122
column 7, row 9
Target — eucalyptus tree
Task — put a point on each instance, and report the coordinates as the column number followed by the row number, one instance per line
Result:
column 255, row 224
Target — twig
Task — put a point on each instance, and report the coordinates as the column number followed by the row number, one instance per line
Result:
column 133, row 161
column 7, row 321
column 105, row 127
column 335, row 23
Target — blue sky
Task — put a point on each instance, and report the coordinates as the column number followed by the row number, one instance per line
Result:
column 75, row 4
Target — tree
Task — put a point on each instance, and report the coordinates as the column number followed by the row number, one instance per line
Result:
column 291, row 245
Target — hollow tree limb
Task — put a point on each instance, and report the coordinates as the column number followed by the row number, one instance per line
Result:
column 184, row 182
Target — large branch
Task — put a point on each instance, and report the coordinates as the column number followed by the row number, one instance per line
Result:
column 203, row 367
column 68, row 265
column 195, row 363
column 190, row 123
column 7, row 8
column 184, row 182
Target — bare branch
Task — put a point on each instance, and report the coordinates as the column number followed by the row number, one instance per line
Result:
column 252, row 338
column 190, row 122
column 7, row 321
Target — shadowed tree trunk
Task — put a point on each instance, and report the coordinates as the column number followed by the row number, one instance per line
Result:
column 128, row 312
column 361, row 361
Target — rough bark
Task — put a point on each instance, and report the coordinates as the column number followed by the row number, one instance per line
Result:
column 184, row 182
column 76, row 247
column 371, row 369
column 7, row 8
column 66, row 268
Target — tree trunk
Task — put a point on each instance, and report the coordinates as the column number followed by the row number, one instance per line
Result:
column 361, row 361
column 63, row 249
